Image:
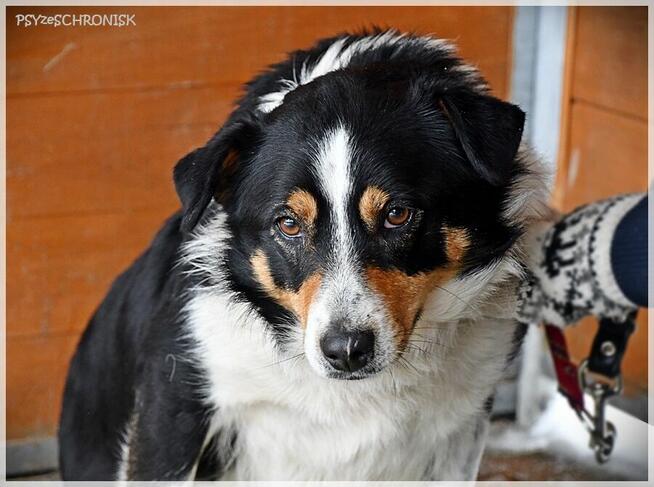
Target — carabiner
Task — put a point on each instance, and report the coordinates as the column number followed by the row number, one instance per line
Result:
column 602, row 432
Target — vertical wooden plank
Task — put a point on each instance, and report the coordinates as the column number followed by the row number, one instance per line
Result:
column 611, row 68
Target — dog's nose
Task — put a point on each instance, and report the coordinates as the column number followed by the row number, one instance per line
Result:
column 348, row 351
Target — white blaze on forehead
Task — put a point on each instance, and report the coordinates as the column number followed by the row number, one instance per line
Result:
column 333, row 174
column 336, row 57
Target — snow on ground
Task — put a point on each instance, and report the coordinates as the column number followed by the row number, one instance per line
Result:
column 558, row 431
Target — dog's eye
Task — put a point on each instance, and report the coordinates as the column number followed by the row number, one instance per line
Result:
column 289, row 226
column 397, row 216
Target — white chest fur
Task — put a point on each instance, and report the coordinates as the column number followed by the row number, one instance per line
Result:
column 417, row 420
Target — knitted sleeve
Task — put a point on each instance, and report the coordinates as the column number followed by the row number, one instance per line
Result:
column 592, row 261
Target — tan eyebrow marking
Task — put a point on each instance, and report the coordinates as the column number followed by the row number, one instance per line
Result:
column 457, row 242
column 297, row 302
column 304, row 205
column 371, row 204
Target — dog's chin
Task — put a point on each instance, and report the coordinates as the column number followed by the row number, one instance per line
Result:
column 358, row 375
column 328, row 372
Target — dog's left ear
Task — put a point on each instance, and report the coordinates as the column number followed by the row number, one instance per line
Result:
column 489, row 131
column 204, row 172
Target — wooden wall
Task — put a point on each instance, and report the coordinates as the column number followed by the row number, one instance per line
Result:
column 97, row 117
column 604, row 135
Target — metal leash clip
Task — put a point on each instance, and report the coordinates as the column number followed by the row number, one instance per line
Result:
column 602, row 432
column 598, row 376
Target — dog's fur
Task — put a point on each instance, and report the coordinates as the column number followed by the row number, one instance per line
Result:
column 205, row 358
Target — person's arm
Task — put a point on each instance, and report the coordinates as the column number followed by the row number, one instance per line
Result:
column 593, row 261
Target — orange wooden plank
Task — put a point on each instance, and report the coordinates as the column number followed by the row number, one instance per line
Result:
column 611, row 58
column 173, row 46
column 608, row 155
column 36, row 370
column 59, row 268
column 104, row 151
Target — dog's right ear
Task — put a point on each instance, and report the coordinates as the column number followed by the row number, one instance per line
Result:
column 204, row 172
column 489, row 131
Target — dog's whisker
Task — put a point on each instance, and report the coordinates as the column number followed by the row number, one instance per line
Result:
column 467, row 304
column 434, row 324
column 430, row 343
column 280, row 361
column 393, row 382
column 403, row 360
column 412, row 346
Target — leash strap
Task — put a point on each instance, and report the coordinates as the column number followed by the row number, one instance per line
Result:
column 566, row 372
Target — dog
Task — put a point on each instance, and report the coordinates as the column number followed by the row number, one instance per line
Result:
column 335, row 299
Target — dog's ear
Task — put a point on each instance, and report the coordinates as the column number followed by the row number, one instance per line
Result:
column 489, row 131
column 204, row 172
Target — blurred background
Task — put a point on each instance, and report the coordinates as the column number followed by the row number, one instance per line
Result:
column 98, row 116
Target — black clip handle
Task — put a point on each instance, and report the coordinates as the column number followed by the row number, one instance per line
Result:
column 609, row 346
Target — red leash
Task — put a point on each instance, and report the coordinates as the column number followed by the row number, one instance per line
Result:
column 567, row 373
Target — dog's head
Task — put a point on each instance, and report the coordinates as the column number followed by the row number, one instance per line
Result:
column 355, row 192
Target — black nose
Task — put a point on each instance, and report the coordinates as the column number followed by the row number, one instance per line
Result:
column 348, row 351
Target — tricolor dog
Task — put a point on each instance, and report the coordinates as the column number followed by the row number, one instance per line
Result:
column 335, row 298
